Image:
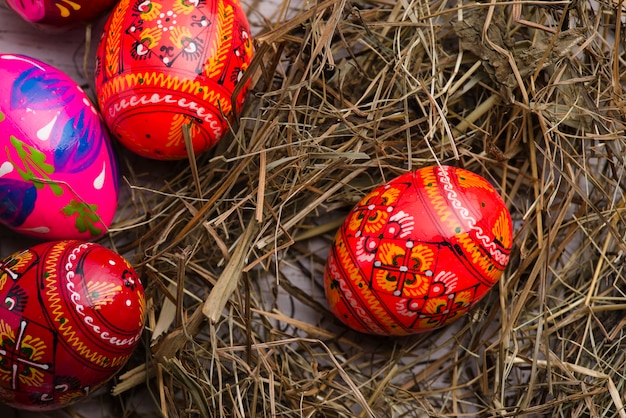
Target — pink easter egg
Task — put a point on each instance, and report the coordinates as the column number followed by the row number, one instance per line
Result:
column 58, row 174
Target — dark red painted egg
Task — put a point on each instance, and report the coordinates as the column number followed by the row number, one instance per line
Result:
column 59, row 14
column 71, row 314
column 418, row 252
column 161, row 65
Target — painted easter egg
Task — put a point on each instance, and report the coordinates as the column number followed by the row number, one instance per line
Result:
column 59, row 14
column 162, row 65
column 418, row 252
column 71, row 314
column 58, row 173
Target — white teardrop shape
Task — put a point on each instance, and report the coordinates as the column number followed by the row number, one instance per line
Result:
column 5, row 168
column 44, row 133
column 99, row 181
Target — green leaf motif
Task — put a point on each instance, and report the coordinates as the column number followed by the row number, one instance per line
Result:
column 86, row 216
column 34, row 167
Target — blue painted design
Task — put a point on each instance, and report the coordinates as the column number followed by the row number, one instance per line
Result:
column 77, row 134
column 17, row 201
column 79, row 141
column 38, row 89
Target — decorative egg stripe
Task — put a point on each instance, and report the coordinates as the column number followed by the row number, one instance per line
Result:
column 478, row 259
column 71, row 337
column 452, row 196
column 113, row 47
column 347, row 298
column 80, row 308
column 169, row 82
column 174, row 138
column 502, row 230
column 222, row 42
column 375, row 307
column 468, row 179
column 439, row 204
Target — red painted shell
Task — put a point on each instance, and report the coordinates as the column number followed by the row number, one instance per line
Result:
column 164, row 64
column 418, row 252
column 53, row 14
column 71, row 314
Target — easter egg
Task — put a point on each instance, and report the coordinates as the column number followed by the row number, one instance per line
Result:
column 162, row 65
column 59, row 14
column 71, row 314
column 418, row 252
column 58, row 173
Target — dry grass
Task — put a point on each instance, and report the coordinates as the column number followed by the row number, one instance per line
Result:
column 347, row 95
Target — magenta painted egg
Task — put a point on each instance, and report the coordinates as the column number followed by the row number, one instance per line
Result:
column 71, row 314
column 162, row 65
column 58, row 173
column 418, row 252
column 59, row 14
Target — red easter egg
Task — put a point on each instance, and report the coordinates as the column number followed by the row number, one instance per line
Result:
column 71, row 314
column 59, row 14
column 418, row 252
column 164, row 64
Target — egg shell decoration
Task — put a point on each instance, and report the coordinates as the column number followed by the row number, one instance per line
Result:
column 71, row 314
column 164, row 64
column 59, row 14
column 418, row 252
column 58, row 173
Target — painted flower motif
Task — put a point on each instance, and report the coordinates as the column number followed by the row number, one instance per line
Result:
column 37, row 89
column 76, row 133
column 167, row 21
column 17, row 201
column 77, row 142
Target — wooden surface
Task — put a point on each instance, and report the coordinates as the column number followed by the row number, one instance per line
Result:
column 64, row 50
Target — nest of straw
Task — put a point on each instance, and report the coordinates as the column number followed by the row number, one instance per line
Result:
column 347, row 95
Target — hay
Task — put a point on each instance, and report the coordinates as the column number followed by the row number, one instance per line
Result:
column 347, row 95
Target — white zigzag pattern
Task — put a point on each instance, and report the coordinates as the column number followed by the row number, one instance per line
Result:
column 452, row 196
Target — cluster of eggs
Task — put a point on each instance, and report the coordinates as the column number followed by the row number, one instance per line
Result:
column 165, row 75
column 168, row 81
column 413, row 255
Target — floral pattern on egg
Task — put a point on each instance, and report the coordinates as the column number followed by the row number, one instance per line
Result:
column 74, row 135
column 54, row 153
column 71, row 314
column 418, row 252
column 162, row 65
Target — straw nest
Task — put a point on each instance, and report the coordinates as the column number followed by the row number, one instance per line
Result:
column 346, row 95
